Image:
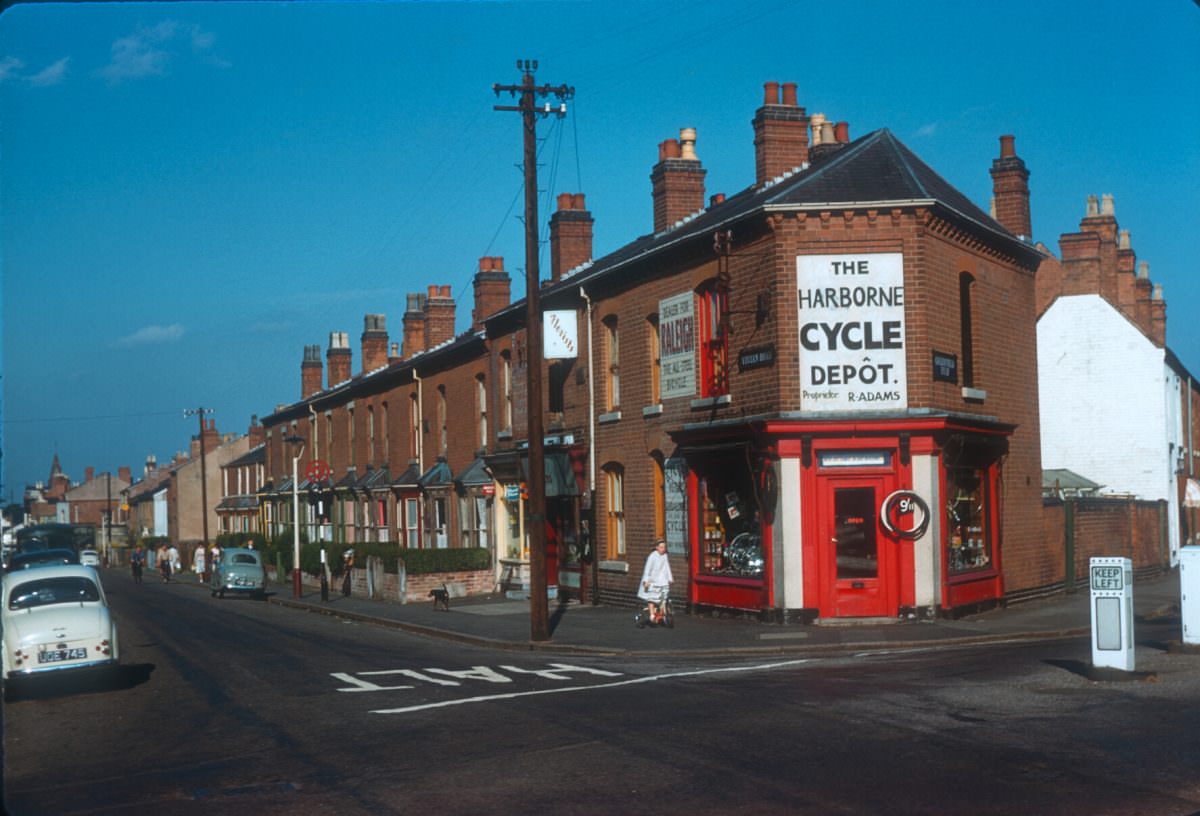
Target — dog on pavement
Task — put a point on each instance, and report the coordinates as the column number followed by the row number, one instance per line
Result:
column 441, row 598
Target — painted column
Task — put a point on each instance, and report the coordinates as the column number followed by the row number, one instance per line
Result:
column 927, row 560
column 787, row 552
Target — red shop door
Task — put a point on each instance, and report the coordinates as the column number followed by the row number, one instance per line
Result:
column 859, row 560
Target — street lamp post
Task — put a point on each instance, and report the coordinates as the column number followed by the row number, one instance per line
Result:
column 294, row 440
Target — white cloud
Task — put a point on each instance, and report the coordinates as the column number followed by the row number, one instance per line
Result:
column 50, row 75
column 151, row 336
column 9, row 67
column 927, row 130
column 149, row 50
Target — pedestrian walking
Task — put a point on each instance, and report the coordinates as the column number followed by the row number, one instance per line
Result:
column 173, row 556
column 198, row 563
column 164, row 563
column 136, row 560
column 347, row 566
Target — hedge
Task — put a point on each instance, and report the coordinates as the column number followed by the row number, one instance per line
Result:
column 416, row 562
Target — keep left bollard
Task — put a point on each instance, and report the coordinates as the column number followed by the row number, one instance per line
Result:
column 1112, row 613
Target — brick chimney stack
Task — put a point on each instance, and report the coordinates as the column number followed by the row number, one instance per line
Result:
column 1158, row 317
column 311, row 372
column 780, row 133
column 125, row 474
column 493, row 288
column 439, row 316
column 414, row 325
column 337, row 358
column 89, row 473
column 257, row 433
column 677, row 180
column 570, row 235
column 1010, row 188
column 374, row 342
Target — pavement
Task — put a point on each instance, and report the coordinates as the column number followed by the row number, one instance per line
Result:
column 499, row 622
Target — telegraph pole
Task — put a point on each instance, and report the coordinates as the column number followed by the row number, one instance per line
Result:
column 527, row 93
column 200, row 412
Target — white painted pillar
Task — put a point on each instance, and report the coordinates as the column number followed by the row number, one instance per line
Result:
column 788, row 552
column 927, row 573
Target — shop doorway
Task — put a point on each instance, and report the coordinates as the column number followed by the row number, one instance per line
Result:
column 859, row 566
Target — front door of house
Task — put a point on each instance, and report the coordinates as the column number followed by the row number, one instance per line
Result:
column 859, row 563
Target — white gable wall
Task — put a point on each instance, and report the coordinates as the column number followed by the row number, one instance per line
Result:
column 1102, row 387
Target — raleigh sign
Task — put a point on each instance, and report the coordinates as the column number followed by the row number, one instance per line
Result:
column 852, row 332
column 677, row 345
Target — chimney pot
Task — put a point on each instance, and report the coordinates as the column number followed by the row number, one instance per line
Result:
column 1093, row 206
column 687, row 144
column 577, row 202
column 827, row 135
column 1158, row 291
column 1007, row 150
column 771, row 93
column 1106, row 205
column 715, row 199
column 1123, row 240
column 565, row 201
column 444, row 291
column 789, row 95
column 817, row 121
column 1144, row 270
column 841, row 132
column 433, row 291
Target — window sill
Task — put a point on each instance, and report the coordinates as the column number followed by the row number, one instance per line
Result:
column 614, row 566
column 976, row 394
column 652, row 410
column 610, row 417
column 711, row 402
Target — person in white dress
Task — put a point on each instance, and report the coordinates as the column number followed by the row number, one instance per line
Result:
column 656, row 577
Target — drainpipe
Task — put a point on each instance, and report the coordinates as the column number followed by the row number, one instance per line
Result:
column 592, row 453
column 420, row 423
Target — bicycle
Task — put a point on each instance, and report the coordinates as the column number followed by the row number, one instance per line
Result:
column 664, row 616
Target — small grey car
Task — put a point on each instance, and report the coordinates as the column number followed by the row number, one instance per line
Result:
column 239, row 570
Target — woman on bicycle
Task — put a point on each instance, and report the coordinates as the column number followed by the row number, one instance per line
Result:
column 656, row 578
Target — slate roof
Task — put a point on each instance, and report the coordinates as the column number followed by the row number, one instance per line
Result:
column 876, row 169
column 409, row 478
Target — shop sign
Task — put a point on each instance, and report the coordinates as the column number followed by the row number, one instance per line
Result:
column 677, row 345
column 759, row 357
column 675, row 504
column 560, row 335
column 852, row 333
column 512, row 492
column 945, row 367
column 489, row 489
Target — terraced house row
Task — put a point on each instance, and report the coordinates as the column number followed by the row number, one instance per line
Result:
column 822, row 391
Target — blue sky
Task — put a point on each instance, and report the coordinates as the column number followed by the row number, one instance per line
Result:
column 190, row 193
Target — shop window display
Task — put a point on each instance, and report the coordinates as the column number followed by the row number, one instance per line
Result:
column 731, row 542
column 966, row 520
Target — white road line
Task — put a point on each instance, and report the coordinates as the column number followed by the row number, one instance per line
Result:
column 615, row 684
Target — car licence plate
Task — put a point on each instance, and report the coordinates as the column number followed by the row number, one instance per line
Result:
column 59, row 655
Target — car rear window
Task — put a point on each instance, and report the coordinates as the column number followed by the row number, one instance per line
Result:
column 245, row 559
column 49, row 591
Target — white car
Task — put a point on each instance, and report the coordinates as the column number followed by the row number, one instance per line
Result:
column 89, row 558
column 55, row 619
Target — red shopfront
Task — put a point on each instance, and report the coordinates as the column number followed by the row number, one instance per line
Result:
column 791, row 521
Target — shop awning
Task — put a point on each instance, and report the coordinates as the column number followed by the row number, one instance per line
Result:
column 1191, row 494
column 513, row 466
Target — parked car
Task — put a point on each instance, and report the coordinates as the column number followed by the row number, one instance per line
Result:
column 89, row 558
column 239, row 570
column 55, row 619
column 41, row 558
